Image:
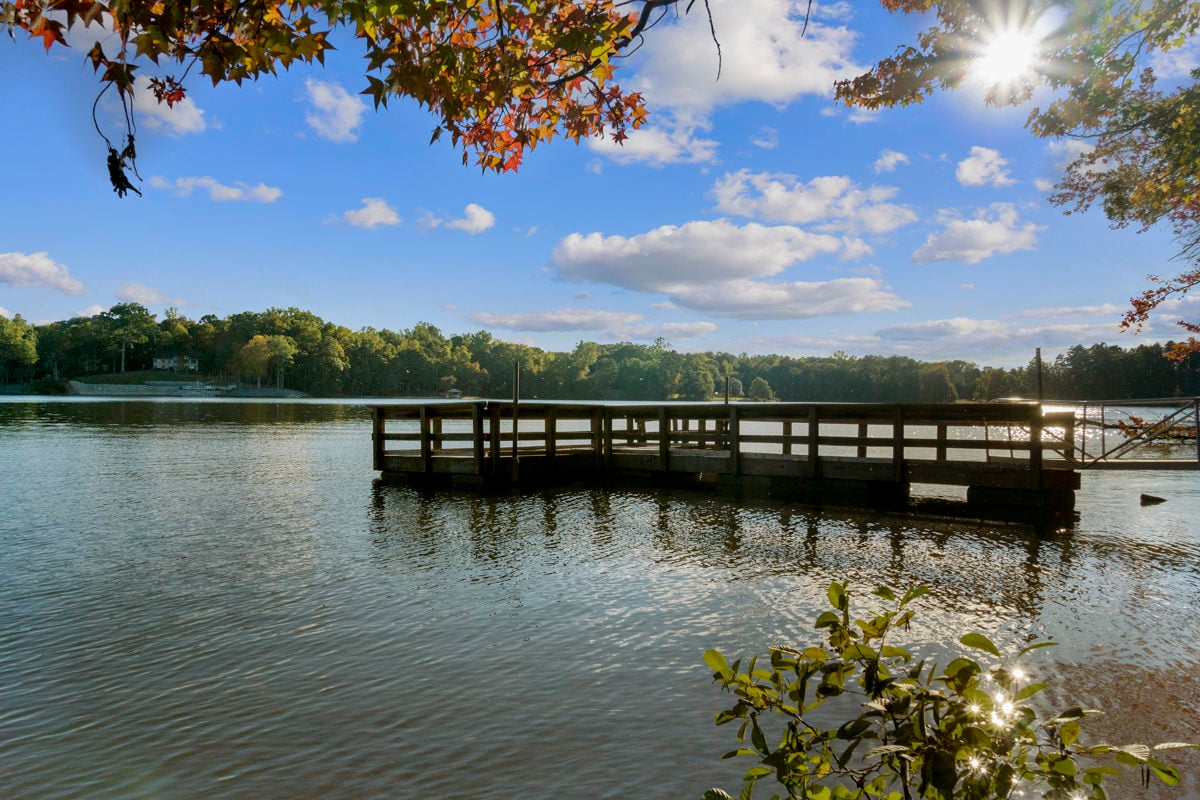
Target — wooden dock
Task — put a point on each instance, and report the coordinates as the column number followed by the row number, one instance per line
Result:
column 1014, row 459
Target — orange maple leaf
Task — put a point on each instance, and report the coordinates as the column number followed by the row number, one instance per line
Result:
column 49, row 30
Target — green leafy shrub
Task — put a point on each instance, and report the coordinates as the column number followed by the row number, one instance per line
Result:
column 965, row 732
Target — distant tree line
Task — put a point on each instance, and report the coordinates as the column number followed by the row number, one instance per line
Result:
column 299, row 350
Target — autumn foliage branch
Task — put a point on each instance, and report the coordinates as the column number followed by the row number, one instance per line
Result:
column 499, row 76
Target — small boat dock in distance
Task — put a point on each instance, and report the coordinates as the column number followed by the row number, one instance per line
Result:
column 1013, row 459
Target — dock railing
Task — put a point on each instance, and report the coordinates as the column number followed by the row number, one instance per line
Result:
column 1008, row 444
column 1148, row 433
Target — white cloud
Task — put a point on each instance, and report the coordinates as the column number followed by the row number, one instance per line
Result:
column 374, row 212
column 716, row 268
column 1177, row 63
column 855, row 249
column 834, row 200
column 1064, row 151
column 21, row 270
column 888, row 161
column 767, row 138
column 683, row 330
column 984, row 167
column 697, row 252
column 1043, row 184
column 937, row 338
column 476, row 219
column 336, row 113
column 219, row 192
column 994, row 231
column 4, row 312
column 657, row 145
column 91, row 310
column 138, row 293
column 764, row 57
column 183, row 117
column 566, row 319
column 1105, row 310
column 747, row 299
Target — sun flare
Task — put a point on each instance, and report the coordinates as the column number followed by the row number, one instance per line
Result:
column 1007, row 58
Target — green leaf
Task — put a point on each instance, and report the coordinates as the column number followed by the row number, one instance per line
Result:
column 885, row 592
column 716, row 661
column 827, row 620
column 980, row 642
column 837, row 595
column 1167, row 774
column 885, row 750
column 759, row 739
column 888, row 651
column 1036, row 646
column 1063, row 765
column 913, row 594
column 754, row 773
column 716, row 794
column 1074, row 712
column 959, row 673
column 859, row 651
column 853, row 729
column 1069, row 733
column 1028, row 691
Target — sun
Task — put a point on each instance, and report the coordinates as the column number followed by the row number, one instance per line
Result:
column 1007, row 58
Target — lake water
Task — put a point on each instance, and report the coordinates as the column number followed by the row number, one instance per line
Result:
column 214, row 599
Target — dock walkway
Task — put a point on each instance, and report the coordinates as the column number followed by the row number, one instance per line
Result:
column 1007, row 455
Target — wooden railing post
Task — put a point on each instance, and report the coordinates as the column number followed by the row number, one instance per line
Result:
column 941, row 442
column 787, row 437
column 814, row 442
column 551, row 435
column 477, row 438
column 597, row 429
column 898, row 444
column 378, row 429
column 426, row 449
column 862, row 435
column 608, row 435
column 664, row 439
column 1035, row 447
column 494, row 437
column 735, row 439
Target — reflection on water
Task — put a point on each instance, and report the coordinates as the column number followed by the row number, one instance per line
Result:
column 217, row 599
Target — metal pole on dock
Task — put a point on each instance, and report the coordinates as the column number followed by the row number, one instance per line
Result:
column 1038, row 359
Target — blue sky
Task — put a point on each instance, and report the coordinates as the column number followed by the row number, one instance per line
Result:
column 753, row 214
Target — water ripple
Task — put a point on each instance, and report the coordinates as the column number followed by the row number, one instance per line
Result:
column 218, row 601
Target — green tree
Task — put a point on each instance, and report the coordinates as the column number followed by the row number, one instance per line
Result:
column 698, row 383
column 760, row 391
column 1140, row 142
column 992, row 383
column 18, row 348
column 934, row 384
column 129, row 325
column 263, row 356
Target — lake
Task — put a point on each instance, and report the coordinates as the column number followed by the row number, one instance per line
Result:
column 217, row 599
